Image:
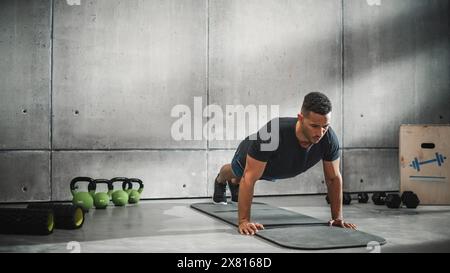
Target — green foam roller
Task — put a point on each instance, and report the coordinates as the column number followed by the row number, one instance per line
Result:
column 67, row 216
column 26, row 221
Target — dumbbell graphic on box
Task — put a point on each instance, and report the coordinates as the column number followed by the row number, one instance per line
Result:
column 439, row 159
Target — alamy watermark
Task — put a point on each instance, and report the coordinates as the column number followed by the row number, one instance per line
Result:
column 74, row 247
column 373, row 247
column 235, row 122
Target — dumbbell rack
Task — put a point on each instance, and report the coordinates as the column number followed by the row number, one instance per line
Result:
column 363, row 197
column 347, row 197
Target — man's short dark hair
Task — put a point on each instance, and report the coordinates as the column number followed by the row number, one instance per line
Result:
column 316, row 102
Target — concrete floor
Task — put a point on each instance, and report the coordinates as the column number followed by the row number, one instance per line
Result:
column 172, row 226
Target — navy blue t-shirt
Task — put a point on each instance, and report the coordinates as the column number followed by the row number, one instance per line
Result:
column 289, row 159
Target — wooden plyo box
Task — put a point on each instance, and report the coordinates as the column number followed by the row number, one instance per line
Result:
column 424, row 156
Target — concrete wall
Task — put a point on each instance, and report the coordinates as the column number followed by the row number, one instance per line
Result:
column 273, row 52
column 87, row 87
column 396, row 70
column 122, row 65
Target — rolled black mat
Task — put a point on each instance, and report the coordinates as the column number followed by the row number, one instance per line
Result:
column 26, row 221
column 67, row 216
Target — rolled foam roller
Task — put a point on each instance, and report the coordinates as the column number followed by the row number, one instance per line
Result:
column 67, row 216
column 26, row 221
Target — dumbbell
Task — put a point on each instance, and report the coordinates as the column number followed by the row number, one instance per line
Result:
column 410, row 199
column 393, row 201
column 363, row 197
column 378, row 198
column 415, row 164
column 346, row 198
column 67, row 216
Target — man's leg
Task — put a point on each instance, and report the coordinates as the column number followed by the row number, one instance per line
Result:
column 233, row 184
column 230, row 173
column 225, row 174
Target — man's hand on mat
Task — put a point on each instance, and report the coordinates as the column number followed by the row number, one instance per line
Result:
column 341, row 223
column 248, row 228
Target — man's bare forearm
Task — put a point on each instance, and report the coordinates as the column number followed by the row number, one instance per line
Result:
column 246, row 187
column 334, row 187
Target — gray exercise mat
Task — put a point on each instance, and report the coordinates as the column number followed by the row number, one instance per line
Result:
column 261, row 213
column 291, row 229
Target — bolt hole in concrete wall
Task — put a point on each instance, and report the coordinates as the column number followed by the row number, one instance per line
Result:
column 126, row 64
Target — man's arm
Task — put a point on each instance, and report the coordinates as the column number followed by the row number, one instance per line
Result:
column 333, row 180
column 252, row 172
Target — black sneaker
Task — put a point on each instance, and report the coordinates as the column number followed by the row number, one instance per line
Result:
column 219, row 196
column 234, row 189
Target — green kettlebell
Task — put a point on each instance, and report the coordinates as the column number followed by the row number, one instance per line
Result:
column 119, row 197
column 81, row 198
column 101, row 199
column 133, row 195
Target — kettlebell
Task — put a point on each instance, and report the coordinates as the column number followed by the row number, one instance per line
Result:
column 133, row 195
column 82, row 198
column 101, row 199
column 119, row 197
